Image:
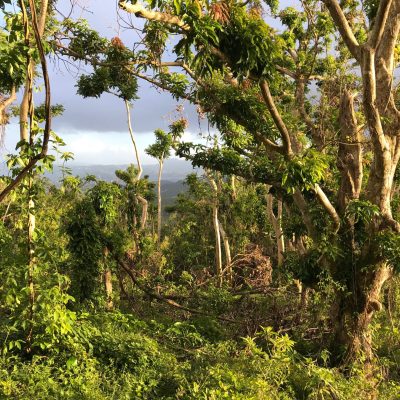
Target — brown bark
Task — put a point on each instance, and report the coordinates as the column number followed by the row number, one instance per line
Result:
column 356, row 312
column 25, row 107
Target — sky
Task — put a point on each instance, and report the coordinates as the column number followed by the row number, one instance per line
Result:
column 95, row 130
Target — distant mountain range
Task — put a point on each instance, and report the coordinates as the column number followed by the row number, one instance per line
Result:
column 174, row 171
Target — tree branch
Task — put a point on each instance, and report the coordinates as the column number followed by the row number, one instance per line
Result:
column 269, row 101
column 344, row 28
column 141, row 12
column 323, row 199
column 269, row 144
column 376, row 34
column 286, row 71
column 304, row 209
column 151, row 293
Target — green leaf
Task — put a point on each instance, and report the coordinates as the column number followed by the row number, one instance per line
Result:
column 72, row 362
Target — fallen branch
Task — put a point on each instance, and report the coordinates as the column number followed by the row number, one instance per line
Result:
column 151, row 293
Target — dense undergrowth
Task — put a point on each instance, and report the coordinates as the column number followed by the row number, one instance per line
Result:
column 170, row 332
column 118, row 356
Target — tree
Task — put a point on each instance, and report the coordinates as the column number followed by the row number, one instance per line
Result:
column 249, row 79
column 161, row 150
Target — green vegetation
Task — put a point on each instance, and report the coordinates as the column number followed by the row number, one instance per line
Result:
column 274, row 275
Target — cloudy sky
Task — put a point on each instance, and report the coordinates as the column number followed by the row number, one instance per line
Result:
column 95, row 130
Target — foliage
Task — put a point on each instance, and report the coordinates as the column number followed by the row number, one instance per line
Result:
column 302, row 212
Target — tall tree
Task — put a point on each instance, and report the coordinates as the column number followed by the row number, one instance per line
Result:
column 160, row 150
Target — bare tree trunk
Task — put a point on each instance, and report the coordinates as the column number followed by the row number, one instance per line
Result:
column 145, row 206
column 233, row 186
column 25, row 106
column 159, row 208
column 141, row 199
column 218, row 252
column 107, row 276
column 276, row 221
column 227, row 248
column 109, row 289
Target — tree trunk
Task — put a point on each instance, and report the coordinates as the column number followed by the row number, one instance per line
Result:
column 276, row 221
column 109, row 289
column 145, row 206
column 26, row 134
column 31, row 269
column 355, row 313
column 233, row 187
column 141, row 199
column 228, row 258
column 159, row 209
column 218, row 253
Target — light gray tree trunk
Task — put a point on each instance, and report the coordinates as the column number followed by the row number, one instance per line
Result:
column 218, row 252
column 159, row 207
column 227, row 248
column 141, row 199
column 276, row 221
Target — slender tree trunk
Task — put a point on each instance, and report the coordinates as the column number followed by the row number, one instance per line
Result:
column 227, row 248
column 218, row 252
column 159, row 208
column 31, row 268
column 107, row 276
column 25, row 107
column 233, row 187
column 276, row 221
column 141, row 199
column 109, row 289
column 145, row 206
column 26, row 112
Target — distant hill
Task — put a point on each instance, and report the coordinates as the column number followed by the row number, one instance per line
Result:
column 174, row 170
column 174, row 173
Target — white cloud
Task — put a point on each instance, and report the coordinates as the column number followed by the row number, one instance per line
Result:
column 91, row 147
